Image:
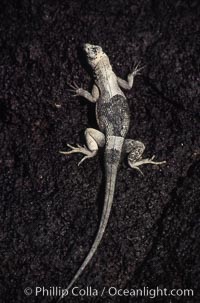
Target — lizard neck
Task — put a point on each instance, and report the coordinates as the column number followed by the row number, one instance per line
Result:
column 103, row 68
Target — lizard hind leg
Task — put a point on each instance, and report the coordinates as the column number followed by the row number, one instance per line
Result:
column 135, row 150
column 94, row 139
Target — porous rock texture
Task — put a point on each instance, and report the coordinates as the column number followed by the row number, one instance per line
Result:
column 50, row 208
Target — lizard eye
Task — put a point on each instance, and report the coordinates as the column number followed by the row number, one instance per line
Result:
column 92, row 52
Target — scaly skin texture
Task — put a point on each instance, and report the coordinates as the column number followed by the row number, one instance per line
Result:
column 112, row 114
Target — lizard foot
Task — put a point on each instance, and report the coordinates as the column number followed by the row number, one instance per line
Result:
column 80, row 149
column 74, row 88
column 144, row 161
column 136, row 69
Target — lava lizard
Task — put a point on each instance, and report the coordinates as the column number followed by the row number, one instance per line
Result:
column 112, row 114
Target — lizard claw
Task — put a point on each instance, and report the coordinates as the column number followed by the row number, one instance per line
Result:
column 136, row 164
column 136, row 69
column 138, row 169
column 72, row 147
column 79, row 149
column 74, row 88
column 84, row 158
column 75, row 85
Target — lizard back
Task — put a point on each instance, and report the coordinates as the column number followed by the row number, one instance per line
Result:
column 113, row 116
column 112, row 111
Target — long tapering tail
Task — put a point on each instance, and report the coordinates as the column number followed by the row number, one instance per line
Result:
column 112, row 158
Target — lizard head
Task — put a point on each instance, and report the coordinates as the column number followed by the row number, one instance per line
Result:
column 94, row 53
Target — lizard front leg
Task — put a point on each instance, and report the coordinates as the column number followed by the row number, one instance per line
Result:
column 135, row 150
column 130, row 79
column 79, row 91
column 94, row 139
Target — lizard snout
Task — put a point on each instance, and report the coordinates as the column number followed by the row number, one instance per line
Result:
column 86, row 46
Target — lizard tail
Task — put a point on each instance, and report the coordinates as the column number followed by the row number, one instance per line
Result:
column 112, row 158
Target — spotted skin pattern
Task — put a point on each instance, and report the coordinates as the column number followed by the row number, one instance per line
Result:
column 114, row 116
